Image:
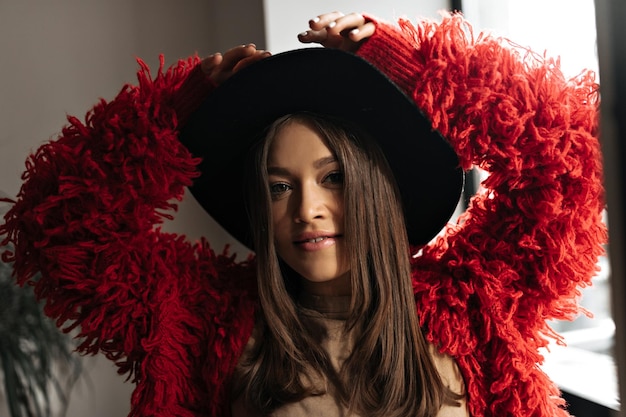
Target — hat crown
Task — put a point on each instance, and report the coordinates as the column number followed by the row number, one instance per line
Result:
column 328, row 82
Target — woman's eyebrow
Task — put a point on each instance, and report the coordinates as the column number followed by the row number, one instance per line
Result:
column 273, row 170
column 327, row 160
column 320, row 163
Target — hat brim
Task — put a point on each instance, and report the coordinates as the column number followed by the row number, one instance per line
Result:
column 335, row 83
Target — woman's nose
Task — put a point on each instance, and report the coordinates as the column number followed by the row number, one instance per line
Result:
column 309, row 205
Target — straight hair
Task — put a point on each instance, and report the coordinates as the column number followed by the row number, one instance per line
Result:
column 285, row 358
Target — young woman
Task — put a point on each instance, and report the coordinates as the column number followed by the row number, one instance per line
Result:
column 324, row 319
column 336, row 226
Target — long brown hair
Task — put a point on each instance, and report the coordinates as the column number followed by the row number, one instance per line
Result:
column 404, row 381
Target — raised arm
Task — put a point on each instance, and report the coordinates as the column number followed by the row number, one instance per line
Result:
column 532, row 236
column 86, row 219
column 85, row 213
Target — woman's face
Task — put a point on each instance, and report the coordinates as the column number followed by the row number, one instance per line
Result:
column 306, row 186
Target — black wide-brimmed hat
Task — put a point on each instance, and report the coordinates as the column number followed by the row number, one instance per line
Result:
column 328, row 82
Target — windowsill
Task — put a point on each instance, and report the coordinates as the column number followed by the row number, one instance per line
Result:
column 589, row 375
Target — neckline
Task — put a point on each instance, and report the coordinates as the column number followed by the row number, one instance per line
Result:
column 328, row 306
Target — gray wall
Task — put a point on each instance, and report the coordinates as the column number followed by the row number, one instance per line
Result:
column 58, row 57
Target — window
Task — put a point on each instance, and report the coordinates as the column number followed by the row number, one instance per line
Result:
column 565, row 29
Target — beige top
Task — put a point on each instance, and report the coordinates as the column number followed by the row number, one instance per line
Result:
column 328, row 314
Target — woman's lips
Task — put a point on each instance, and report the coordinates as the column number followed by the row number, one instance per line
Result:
column 316, row 241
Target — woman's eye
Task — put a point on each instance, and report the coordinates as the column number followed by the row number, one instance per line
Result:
column 279, row 188
column 334, row 178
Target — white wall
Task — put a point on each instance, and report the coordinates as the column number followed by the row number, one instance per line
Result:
column 563, row 28
column 58, row 57
column 286, row 18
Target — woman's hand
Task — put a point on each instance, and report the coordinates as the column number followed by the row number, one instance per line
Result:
column 219, row 67
column 336, row 30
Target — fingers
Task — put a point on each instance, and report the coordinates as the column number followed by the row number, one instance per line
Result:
column 363, row 32
column 236, row 54
column 337, row 22
column 313, row 36
column 336, row 30
column 324, row 20
column 220, row 67
column 354, row 34
column 210, row 62
column 256, row 56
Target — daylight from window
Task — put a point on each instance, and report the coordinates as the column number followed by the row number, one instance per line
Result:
column 564, row 29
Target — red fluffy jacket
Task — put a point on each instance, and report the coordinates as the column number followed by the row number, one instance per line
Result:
column 174, row 316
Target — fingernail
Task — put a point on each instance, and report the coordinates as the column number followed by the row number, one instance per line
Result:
column 354, row 31
column 315, row 19
column 251, row 44
column 332, row 24
column 304, row 34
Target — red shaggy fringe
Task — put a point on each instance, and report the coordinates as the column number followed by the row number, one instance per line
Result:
column 158, row 306
column 532, row 236
column 174, row 316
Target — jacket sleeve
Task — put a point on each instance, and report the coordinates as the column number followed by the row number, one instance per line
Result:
column 84, row 232
column 531, row 237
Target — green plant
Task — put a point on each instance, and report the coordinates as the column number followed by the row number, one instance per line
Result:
column 37, row 365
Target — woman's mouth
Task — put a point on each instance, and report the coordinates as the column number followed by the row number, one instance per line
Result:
column 314, row 243
column 314, row 240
